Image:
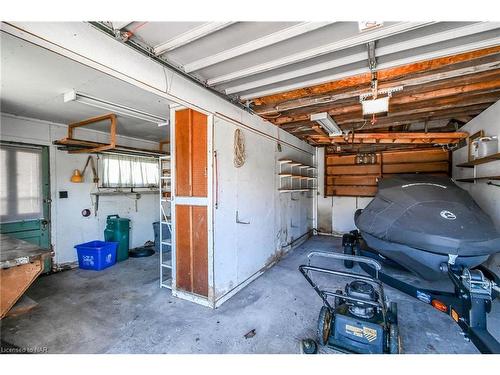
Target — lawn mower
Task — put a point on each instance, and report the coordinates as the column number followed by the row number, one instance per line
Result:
column 429, row 226
column 356, row 319
column 468, row 305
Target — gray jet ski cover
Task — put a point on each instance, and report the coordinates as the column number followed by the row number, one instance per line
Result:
column 430, row 213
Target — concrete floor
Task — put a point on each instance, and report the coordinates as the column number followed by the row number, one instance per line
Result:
column 122, row 310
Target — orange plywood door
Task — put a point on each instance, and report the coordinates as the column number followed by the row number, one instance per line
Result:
column 191, row 153
column 199, row 154
column 183, row 152
column 200, row 250
column 192, row 249
column 183, row 258
column 191, row 218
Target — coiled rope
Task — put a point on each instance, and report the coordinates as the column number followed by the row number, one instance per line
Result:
column 239, row 149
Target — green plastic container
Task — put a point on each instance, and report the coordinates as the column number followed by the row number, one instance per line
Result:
column 117, row 230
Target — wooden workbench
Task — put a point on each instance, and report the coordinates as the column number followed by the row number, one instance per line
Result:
column 20, row 264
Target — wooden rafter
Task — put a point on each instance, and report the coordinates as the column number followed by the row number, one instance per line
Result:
column 445, row 89
column 457, row 75
column 383, row 75
column 394, row 138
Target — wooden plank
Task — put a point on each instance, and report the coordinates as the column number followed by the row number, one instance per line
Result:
column 486, row 159
column 337, row 104
column 183, row 247
column 399, row 105
column 352, row 180
column 87, row 147
column 353, row 169
column 200, row 250
column 15, row 281
column 340, row 159
column 394, row 137
column 22, row 306
column 199, row 154
column 392, row 121
column 416, row 156
column 183, row 155
column 351, row 191
column 437, row 166
column 382, row 75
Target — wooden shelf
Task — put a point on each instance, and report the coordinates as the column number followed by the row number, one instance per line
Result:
column 473, row 179
column 487, row 159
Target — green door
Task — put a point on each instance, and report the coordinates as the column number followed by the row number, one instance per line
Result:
column 25, row 193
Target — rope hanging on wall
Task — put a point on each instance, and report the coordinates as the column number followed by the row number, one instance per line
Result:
column 239, row 149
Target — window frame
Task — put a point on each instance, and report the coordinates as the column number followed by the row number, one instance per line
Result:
column 102, row 167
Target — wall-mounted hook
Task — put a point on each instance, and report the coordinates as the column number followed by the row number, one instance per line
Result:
column 238, row 219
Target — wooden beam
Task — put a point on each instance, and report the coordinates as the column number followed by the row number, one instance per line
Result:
column 364, row 79
column 426, row 113
column 112, row 144
column 473, row 67
column 89, row 147
column 412, row 138
column 398, row 104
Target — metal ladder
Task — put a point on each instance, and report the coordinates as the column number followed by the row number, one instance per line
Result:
column 165, row 219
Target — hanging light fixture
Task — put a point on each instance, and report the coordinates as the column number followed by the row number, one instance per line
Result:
column 77, row 176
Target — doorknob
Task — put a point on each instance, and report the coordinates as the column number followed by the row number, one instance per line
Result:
column 44, row 223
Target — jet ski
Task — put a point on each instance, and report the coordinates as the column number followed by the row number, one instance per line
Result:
column 423, row 221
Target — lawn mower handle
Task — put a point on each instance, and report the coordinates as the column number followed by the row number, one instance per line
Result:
column 356, row 258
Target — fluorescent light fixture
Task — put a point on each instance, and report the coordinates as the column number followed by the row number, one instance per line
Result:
column 113, row 107
column 371, row 107
column 327, row 123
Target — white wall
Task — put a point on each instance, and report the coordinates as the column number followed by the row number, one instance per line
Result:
column 487, row 196
column 69, row 227
column 325, row 204
column 275, row 219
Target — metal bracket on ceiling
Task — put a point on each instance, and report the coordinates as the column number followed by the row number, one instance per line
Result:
column 389, row 91
column 372, row 65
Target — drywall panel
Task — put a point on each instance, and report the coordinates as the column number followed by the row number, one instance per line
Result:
column 487, row 196
column 324, row 203
column 343, row 210
column 225, row 201
column 248, row 205
column 69, row 227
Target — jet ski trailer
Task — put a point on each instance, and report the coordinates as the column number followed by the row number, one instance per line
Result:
column 433, row 228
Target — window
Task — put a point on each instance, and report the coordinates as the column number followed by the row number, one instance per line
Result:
column 129, row 171
column 20, row 183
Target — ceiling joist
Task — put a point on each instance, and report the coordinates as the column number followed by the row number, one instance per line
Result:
column 190, row 36
column 358, row 57
column 364, row 79
column 254, row 45
column 396, row 138
column 353, row 41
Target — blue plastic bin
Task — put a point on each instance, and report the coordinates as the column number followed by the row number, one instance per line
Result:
column 96, row 255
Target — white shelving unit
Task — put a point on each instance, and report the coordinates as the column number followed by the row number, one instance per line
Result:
column 165, row 220
column 295, row 176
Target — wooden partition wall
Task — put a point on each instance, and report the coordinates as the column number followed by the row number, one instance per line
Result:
column 344, row 176
column 191, row 202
